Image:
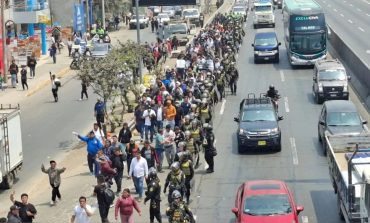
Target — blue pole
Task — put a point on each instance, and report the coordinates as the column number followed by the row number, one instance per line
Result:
column 31, row 29
column 43, row 32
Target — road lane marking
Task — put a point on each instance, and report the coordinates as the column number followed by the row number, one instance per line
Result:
column 222, row 107
column 368, row 14
column 342, row 15
column 350, row 21
column 359, row 10
column 286, row 104
column 294, row 151
column 329, row 6
column 368, row 51
column 335, row 10
column 304, row 219
column 351, row 5
column 362, row 30
column 282, row 76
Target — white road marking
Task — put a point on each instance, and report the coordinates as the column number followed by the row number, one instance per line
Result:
column 304, row 219
column 329, row 6
column 222, row 107
column 335, row 10
column 359, row 10
column 282, row 76
column 351, row 5
column 294, row 151
column 368, row 14
column 286, row 104
column 368, row 51
column 362, row 30
column 342, row 15
column 350, row 21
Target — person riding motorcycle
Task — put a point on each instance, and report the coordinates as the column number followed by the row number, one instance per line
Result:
column 273, row 94
column 153, row 194
column 175, row 180
column 178, row 211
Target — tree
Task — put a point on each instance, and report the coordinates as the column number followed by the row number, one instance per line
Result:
column 112, row 77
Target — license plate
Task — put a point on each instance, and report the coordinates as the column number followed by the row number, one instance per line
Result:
column 261, row 143
column 333, row 95
column 266, row 58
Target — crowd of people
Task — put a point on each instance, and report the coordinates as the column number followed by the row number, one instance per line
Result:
column 174, row 121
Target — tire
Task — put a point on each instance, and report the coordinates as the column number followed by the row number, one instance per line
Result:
column 273, row 25
column 324, row 152
column 255, row 60
column 255, row 26
column 318, row 99
column 240, row 149
column 278, row 148
column 277, row 58
column 318, row 136
column 8, row 181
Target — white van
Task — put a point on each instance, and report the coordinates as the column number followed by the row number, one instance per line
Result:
column 263, row 14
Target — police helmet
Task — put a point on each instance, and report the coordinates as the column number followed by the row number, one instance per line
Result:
column 175, row 166
column 152, row 173
column 187, row 117
column 176, row 194
column 187, row 133
column 272, row 87
column 182, row 144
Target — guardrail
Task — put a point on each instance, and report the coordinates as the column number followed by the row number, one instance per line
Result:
column 360, row 69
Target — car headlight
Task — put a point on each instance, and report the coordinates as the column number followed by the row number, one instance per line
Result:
column 274, row 51
column 345, row 88
column 257, row 52
column 274, row 131
column 321, row 89
column 242, row 132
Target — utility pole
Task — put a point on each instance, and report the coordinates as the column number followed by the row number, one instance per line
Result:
column 103, row 13
column 140, row 73
column 87, row 16
column 3, row 36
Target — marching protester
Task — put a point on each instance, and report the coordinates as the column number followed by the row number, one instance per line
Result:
column 54, row 180
column 27, row 211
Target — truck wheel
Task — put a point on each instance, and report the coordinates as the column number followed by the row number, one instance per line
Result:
column 340, row 213
column 278, row 148
column 318, row 99
column 318, row 136
column 324, row 147
column 8, row 181
column 254, row 26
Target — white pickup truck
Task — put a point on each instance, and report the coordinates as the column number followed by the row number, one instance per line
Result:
column 191, row 15
column 11, row 150
column 263, row 14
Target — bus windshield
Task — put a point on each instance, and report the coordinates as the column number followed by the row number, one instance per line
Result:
column 263, row 8
column 308, row 43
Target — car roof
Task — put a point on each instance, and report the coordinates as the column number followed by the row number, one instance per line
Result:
column 265, row 35
column 329, row 64
column 340, row 106
column 257, row 104
column 260, row 187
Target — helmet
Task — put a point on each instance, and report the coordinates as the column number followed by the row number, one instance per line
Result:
column 175, row 166
column 182, row 144
column 193, row 106
column 152, row 173
column 205, row 125
column 187, row 133
column 194, row 122
column 209, row 127
column 187, row 117
column 271, row 87
column 204, row 95
column 176, row 194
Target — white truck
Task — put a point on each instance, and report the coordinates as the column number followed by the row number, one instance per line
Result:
column 263, row 13
column 349, row 168
column 11, row 152
column 191, row 15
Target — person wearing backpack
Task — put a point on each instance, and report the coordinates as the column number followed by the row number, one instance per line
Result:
column 125, row 206
column 105, row 197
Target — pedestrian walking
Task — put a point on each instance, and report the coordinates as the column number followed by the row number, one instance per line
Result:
column 69, row 45
column 99, row 112
column 132, row 149
column 169, row 137
column 53, row 52
column 154, row 195
column 82, row 212
column 156, row 25
column 99, row 134
column 55, row 84
column 93, row 146
column 152, row 24
column 125, row 207
column 125, row 134
column 99, row 192
column 32, row 62
column 159, row 141
column 27, row 211
column 149, row 117
column 117, row 158
column 13, row 215
column 24, row 77
column 170, row 114
column 84, row 85
column 148, row 152
column 54, row 180
column 139, row 170
column 13, row 70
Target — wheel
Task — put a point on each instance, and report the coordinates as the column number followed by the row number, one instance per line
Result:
column 8, row 181
column 278, row 148
column 273, row 25
column 255, row 60
column 240, row 149
column 277, row 58
column 255, row 26
column 324, row 149
column 318, row 135
column 340, row 213
column 318, row 99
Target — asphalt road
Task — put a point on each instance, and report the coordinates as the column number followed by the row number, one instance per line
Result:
column 350, row 19
column 300, row 163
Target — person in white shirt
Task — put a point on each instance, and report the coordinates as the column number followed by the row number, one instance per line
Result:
column 159, row 115
column 180, row 66
column 139, row 170
column 99, row 134
column 169, row 150
column 148, row 116
column 82, row 212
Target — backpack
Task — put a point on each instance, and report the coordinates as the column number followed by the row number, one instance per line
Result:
column 57, row 82
column 108, row 195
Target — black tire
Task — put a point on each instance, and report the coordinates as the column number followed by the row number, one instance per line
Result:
column 324, row 150
column 273, row 25
column 318, row 99
column 240, row 149
column 255, row 26
column 318, row 136
column 278, row 148
column 8, row 181
column 255, row 60
column 277, row 58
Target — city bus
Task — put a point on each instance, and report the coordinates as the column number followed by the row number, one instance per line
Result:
column 305, row 31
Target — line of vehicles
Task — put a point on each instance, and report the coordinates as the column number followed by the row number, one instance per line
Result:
column 343, row 133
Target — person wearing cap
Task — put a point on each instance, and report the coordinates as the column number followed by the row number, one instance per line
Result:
column 13, row 215
column 93, row 146
column 27, row 211
column 54, row 179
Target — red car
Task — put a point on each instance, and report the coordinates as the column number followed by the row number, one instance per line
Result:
column 265, row 201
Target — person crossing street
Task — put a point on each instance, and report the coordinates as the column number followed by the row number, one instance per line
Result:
column 54, row 180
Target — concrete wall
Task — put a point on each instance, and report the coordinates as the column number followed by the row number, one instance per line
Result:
column 360, row 71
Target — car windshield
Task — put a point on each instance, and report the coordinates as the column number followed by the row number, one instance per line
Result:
column 190, row 13
column 239, row 9
column 343, row 119
column 258, row 115
column 178, row 29
column 269, row 204
column 100, row 47
column 308, row 43
column 167, row 8
column 263, row 8
column 332, row 75
column 163, row 16
column 265, row 42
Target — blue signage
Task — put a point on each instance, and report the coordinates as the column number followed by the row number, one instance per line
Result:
column 79, row 18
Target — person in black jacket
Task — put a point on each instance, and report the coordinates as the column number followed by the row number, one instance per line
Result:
column 117, row 163
column 125, row 135
column 154, row 195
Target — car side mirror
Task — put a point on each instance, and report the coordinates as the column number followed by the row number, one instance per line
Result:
column 349, row 78
column 236, row 119
column 364, row 122
column 321, row 122
column 299, row 209
column 235, row 211
column 280, row 118
column 252, row 44
column 279, row 44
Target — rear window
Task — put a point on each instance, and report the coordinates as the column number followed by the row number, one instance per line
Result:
column 265, row 187
column 269, row 204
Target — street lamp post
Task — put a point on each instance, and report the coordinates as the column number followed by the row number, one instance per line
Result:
column 103, row 13
column 138, row 37
column 3, row 34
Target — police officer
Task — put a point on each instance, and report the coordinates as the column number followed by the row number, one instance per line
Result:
column 209, row 148
column 186, row 166
column 178, row 211
column 175, row 181
column 234, row 76
column 205, row 112
column 153, row 194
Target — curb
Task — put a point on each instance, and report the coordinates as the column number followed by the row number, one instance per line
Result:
column 61, row 73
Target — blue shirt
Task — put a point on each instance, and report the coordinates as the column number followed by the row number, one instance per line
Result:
column 93, row 144
column 99, row 108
